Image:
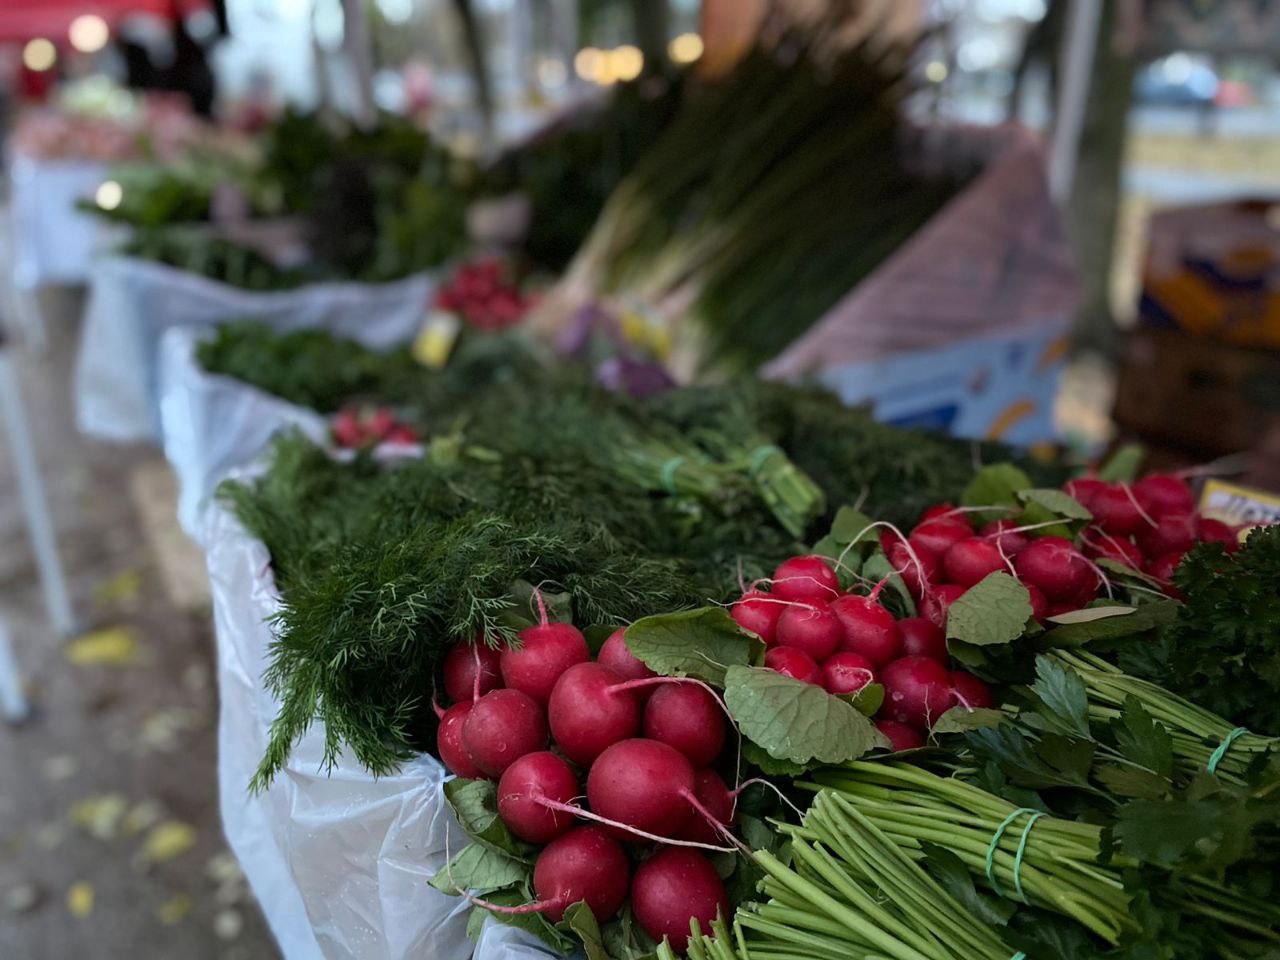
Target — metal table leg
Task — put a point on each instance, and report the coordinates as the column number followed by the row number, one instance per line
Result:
column 34, row 505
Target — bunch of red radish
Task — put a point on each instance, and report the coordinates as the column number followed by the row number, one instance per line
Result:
column 356, row 427
column 1149, row 525
column 483, row 294
column 819, row 634
column 843, row 641
column 543, row 719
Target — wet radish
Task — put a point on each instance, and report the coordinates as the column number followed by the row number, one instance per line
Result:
column 717, row 800
column 812, row 627
column 1057, row 568
column 845, row 672
column 534, row 777
column 1173, row 533
column 901, row 737
column 805, row 579
column 758, row 612
column 967, row 561
column 935, row 604
column 672, row 887
column 686, row 716
column 449, row 742
column 583, row 864
column 1161, row 494
column 1005, row 535
column 589, row 710
column 867, row 628
column 643, row 784
column 793, row 663
column 923, row 638
column 969, row 691
column 615, row 655
column 501, row 727
column 464, row 664
column 917, row 691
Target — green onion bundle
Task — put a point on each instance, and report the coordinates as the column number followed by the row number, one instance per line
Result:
column 851, row 894
column 1026, row 855
column 1201, row 740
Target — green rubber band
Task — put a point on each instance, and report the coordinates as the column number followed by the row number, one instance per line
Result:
column 1223, row 747
column 1017, row 860
column 668, row 476
column 760, row 456
column 994, row 845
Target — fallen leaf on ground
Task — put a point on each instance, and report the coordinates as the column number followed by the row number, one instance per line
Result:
column 23, row 897
column 80, row 899
column 143, row 816
column 121, row 588
column 173, row 909
column 168, row 840
column 61, row 767
column 114, row 646
column 100, row 815
column 227, row 924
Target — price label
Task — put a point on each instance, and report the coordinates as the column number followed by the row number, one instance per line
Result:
column 1239, row 506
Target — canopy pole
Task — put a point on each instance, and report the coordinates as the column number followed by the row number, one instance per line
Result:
column 1079, row 42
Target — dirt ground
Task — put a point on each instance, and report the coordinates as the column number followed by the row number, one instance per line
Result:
column 110, row 840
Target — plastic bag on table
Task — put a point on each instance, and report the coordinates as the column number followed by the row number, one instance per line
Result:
column 132, row 302
column 339, row 860
column 212, row 424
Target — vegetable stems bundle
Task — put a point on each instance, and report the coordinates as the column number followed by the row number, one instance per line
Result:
column 852, row 894
column 1045, row 861
column 1201, row 739
column 1027, row 855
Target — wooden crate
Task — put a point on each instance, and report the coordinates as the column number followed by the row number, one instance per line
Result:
column 1205, row 397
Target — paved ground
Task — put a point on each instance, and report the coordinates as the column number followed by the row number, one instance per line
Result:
column 110, row 843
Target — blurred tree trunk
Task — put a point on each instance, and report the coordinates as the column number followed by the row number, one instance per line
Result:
column 476, row 54
column 1094, row 208
column 651, row 19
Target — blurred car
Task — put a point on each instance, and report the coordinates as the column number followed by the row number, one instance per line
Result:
column 1178, row 80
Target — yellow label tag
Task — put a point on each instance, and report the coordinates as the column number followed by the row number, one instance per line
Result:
column 1239, row 506
column 435, row 340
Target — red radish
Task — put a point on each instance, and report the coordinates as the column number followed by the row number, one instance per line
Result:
column 936, row 536
column 901, row 737
column 889, row 539
column 1215, row 531
column 463, row 663
column 1058, row 609
column 867, row 628
column 1115, row 509
column 1057, row 568
column 917, row 691
column 546, row 651
column 935, row 604
column 617, row 657
column 847, row 673
column 937, row 511
column 588, row 711
column 1161, row 494
column 812, row 627
column 402, row 433
column 687, row 717
column 923, row 638
column 917, row 571
column 970, row 692
column 381, row 422
column 643, row 784
column 449, row 742
column 583, row 864
column 347, row 431
column 967, row 561
column 670, row 888
column 535, row 776
column 1039, row 603
column 793, row 663
column 1083, row 489
column 502, row 727
column 717, row 800
column 1005, row 535
column 1173, row 533
column 759, row 612
column 1103, row 546
column 1162, row 569
column 805, row 579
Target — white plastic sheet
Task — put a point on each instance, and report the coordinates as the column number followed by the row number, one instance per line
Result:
column 338, row 860
column 53, row 241
column 212, row 424
column 132, row 302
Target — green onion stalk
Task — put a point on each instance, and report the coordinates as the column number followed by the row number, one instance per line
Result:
column 1201, row 739
column 1026, row 855
column 850, row 894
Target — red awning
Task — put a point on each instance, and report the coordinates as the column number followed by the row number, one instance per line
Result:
column 22, row 20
